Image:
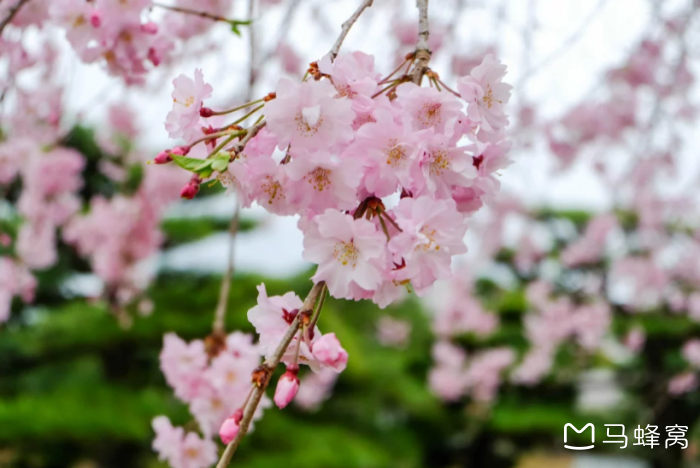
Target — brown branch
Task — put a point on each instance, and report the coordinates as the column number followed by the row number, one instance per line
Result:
column 222, row 304
column 11, row 14
column 201, row 14
column 268, row 368
column 252, row 50
column 346, row 27
column 422, row 56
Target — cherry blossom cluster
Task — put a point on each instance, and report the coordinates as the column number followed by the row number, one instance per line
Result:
column 339, row 144
column 641, row 257
column 123, row 35
column 42, row 180
column 216, row 384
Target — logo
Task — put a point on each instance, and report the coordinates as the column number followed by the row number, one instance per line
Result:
column 579, row 431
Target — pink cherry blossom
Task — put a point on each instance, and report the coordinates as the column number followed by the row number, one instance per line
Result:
column 393, row 332
column 486, row 94
column 330, row 353
column 427, row 107
column 188, row 97
column 691, row 352
column 432, row 232
column 348, row 252
column 316, row 182
column 388, row 154
column 683, row 383
column 308, row 116
column 315, row 388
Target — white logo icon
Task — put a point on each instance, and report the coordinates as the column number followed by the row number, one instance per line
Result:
column 588, row 447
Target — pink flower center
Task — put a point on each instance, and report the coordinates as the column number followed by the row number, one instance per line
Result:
column 488, row 97
column 430, row 114
column 440, row 163
column 395, row 155
column 318, row 178
column 309, row 120
column 273, row 189
column 426, row 239
column 346, row 253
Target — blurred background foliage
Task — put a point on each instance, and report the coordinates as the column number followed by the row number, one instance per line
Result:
column 78, row 387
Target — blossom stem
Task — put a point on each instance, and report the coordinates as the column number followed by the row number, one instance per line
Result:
column 437, row 85
column 248, row 114
column 222, row 304
column 222, row 144
column 407, row 59
column 12, row 12
column 345, row 29
column 270, row 365
column 448, row 88
column 388, row 218
column 384, row 228
column 393, row 84
column 210, row 137
column 229, row 111
column 422, row 55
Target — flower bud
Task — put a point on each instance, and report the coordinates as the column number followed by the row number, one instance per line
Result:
column 163, row 157
column 205, row 112
column 95, row 19
column 149, row 28
column 327, row 351
column 230, row 427
column 287, row 386
column 181, row 150
column 191, row 189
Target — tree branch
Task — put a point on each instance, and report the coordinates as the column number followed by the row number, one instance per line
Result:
column 11, row 14
column 222, row 305
column 269, row 367
column 422, row 56
column 346, row 27
column 201, row 14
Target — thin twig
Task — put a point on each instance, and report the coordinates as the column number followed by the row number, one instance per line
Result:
column 252, row 49
column 317, row 311
column 564, row 47
column 201, row 14
column 222, row 304
column 422, row 56
column 346, row 27
column 252, row 131
column 11, row 14
column 269, row 366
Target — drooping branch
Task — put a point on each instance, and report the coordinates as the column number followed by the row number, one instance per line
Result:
column 267, row 369
column 202, row 14
column 222, row 304
column 346, row 27
column 422, row 55
column 11, row 14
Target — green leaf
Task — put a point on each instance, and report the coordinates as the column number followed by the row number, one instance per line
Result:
column 236, row 23
column 220, row 162
column 198, row 166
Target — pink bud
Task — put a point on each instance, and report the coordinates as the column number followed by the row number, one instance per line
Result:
column 95, row 19
column 329, row 352
column 287, row 387
column 163, row 157
column 205, row 112
column 181, row 150
column 189, row 190
column 149, row 28
column 154, row 56
column 229, row 429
